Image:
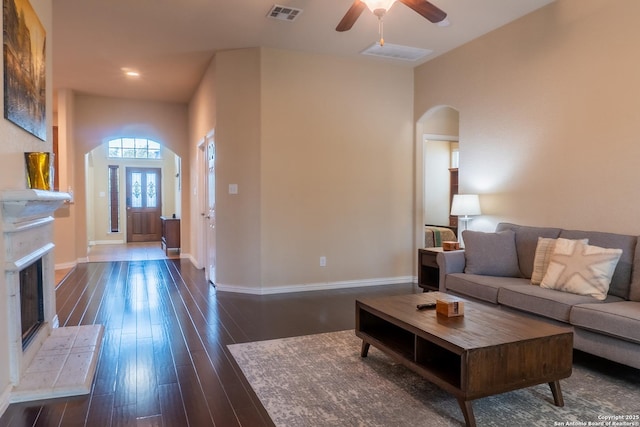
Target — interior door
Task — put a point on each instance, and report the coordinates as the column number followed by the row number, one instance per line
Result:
column 144, row 204
column 211, row 209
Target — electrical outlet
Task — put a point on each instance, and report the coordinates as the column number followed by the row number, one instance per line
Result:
column 323, row 261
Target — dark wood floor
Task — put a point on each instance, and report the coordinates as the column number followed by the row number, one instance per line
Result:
column 164, row 360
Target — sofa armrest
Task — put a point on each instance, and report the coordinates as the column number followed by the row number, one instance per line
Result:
column 449, row 262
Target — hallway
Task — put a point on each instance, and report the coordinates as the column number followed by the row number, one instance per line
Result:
column 142, row 251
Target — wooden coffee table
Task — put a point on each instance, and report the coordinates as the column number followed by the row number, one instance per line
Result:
column 485, row 352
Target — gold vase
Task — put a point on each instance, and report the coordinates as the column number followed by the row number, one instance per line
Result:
column 39, row 170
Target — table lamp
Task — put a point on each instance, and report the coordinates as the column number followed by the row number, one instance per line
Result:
column 464, row 206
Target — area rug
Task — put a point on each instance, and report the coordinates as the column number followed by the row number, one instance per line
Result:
column 321, row 380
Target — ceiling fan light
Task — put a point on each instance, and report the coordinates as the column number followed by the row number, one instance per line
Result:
column 374, row 5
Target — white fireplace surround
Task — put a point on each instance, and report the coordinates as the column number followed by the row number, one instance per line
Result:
column 27, row 235
column 26, row 224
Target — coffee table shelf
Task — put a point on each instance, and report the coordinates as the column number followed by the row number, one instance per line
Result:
column 444, row 364
column 434, row 361
column 389, row 335
column 485, row 352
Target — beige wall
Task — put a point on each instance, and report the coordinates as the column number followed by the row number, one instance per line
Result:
column 202, row 120
column 323, row 167
column 238, row 151
column 64, row 230
column 549, row 116
column 336, row 169
column 442, row 121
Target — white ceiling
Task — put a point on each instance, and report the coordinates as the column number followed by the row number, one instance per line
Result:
column 170, row 42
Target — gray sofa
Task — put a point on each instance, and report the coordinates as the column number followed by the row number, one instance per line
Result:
column 609, row 328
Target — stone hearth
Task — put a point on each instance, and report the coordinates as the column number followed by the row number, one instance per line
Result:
column 56, row 361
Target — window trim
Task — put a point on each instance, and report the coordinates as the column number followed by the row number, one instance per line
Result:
column 139, row 149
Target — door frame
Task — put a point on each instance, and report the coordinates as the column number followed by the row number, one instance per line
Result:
column 201, row 197
column 199, row 191
column 210, row 212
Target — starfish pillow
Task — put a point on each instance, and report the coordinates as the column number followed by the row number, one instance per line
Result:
column 582, row 269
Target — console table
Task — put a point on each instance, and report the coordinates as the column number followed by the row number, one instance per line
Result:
column 170, row 234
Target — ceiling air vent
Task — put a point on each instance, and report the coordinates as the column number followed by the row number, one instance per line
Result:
column 284, row 13
column 395, row 51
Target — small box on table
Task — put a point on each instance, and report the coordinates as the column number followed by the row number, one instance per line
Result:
column 450, row 307
column 450, row 246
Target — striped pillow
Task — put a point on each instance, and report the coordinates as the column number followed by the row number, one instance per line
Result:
column 544, row 249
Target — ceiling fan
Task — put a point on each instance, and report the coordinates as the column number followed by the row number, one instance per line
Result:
column 380, row 7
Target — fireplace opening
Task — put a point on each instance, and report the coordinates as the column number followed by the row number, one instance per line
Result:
column 31, row 301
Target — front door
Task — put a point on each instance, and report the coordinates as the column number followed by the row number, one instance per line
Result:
column 144, row 205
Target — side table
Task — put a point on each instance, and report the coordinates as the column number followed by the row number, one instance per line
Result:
column 170, row 234
column 428, row 270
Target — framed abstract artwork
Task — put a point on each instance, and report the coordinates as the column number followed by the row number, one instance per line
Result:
column 24, row 67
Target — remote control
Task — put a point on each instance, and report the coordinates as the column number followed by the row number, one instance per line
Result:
column 426, row 305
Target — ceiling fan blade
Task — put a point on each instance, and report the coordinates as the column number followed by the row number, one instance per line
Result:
column 426, row 9
column 351, row 16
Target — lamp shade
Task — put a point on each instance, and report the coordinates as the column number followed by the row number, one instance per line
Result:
column 378, row 4
column 465, row 205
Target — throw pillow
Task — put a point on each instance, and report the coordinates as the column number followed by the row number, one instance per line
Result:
column 582, row 269
column 544, row 249
column 491, row 254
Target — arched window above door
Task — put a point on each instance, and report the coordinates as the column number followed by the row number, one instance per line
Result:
column 134, row 148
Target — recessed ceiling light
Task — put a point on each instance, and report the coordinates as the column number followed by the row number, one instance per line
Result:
column 129, row 72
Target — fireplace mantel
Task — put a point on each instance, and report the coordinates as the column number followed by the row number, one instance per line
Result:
column 18, row 204
column 26, row 231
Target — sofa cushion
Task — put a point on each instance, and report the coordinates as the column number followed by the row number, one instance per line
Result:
column 491, row 254
column 581, row 269
column 544, row 250
column 618, row 319
column 484, row 288
column 526, row 243
column 621, row 280
column 634, row 288
column 545, row 302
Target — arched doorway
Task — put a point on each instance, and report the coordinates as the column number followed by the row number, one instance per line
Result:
column 437, row 139
column 106, row 191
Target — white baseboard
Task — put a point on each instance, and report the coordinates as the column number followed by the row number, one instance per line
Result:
column 314, row 286
column 194, row 261
column 106, row 242
column 5, row 399
column 65, row 265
